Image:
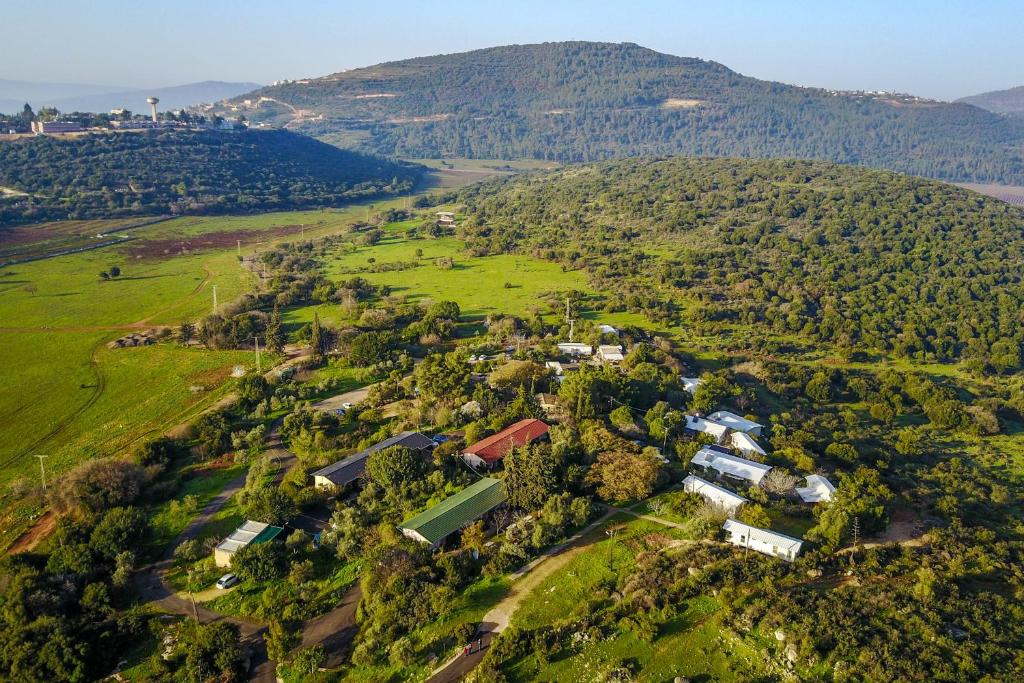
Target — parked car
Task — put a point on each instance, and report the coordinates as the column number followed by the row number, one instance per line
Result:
column 439, row 438
column 227, row 581
column 346, row 405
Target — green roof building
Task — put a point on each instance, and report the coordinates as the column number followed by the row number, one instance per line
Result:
column 455, row 512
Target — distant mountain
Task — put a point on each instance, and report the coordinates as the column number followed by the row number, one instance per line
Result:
column 67, row 98
column 195, row 172
column 580, row 101
column 1009, row 101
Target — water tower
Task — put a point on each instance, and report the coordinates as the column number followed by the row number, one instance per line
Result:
column 152, row 106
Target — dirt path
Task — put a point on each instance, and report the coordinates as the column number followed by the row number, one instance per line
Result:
column 524, row 581
column 28, row 541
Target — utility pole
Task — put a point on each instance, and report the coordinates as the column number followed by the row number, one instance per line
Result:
column 239, row 247
column 302, row 231
column 214, row 298
column 42, row 470
column 568, row 316
column 257, row 341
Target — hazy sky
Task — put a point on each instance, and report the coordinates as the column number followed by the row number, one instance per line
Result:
column 936, row 48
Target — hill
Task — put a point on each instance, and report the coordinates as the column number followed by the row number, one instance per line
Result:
column 196, row 172
column 98, row 98
column 829, row 254
column 580, row 101
column 1010, row 101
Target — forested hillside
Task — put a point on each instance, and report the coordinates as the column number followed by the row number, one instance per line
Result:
column 583, row 101
column 177, row 172
column 855, row 257
column 1010, row 101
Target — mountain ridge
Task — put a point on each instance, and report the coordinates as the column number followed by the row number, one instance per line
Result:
column 14, row 94
column 1008, row 101
column 582, row 101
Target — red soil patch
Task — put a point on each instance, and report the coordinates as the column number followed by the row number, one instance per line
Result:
column 43, row 527
column 159, row 248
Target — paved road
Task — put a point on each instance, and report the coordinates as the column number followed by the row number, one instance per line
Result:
column 336, row 629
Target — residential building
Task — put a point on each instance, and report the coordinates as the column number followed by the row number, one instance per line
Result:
column 763, row 541
column 49, row 127
column 609, row 353
column 490, row 451
column 731, row 465
column 745, row 444
column 248, row 534
column 736, row 422
column 714, row 494
column 607, row 329
column 575, row 349
column 709, row 427
column 347, row 470
column 818, row 490
column 454, row 513
column 445, row 219
column 690, row 384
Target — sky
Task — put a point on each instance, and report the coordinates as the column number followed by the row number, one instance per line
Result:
column 938, row 48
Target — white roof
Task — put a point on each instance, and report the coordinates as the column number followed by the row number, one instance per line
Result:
column 691, row 383
column 764, row 535
column 745, row 443
column 610, row 351
column 554, row 365
column 734, row 421
column 716, row 494
column 818, row 489
column 699, row 424
column 731, row 464
column 607, row 329
column 242, row 536
column 575, row 348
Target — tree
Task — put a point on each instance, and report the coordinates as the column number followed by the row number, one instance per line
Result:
column 529, row 477
column 393, row 467
column 115, row 271
column 98, row 485
column 474, row 536
column 518, row 373
column 258, row 562
column 269, row 504
column 444, row 377
column 309, row 661
column 779, row 481
column 186, row 332
column 711, row 392
column 212, row 652
column 621, row 477
column 819, row 388
column 120, row 529
column 755, row 515
column 317, row 341
column 281, row 640
column 253, row 389
column 104, row 275
column 274, row 334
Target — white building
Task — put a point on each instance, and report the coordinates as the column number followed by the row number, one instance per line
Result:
column 555, row 367
column 607, row 329
column 818, row 490
column 745, row 444
column 709, row 427
column 714, row 494
column 762, row 540
column 575, row 349
column 690, row 384
column 248, row 534
column 736, row 422
column 610, row 353
column 731, row 465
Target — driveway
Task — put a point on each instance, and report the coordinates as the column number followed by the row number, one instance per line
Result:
column 333, row 403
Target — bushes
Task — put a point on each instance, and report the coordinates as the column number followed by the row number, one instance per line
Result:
column 258, row 562
column 98, row 485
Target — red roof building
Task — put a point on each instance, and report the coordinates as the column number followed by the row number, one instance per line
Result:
column 492, row 449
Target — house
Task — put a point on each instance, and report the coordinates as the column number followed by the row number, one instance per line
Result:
column 575, row 349
column 610, row 353
column 548, row 403
column 455, row 512
column 818, row 489
column 445, row 219
column 713, row 429
column 762, row 540
column 555, row 367
column 607, row 329
column 736, row 423
column 489, row 451
column 716, row 495
column 731, row 465
column 248, row 534
column 690, row 384
column 349, row 469
column 745, row 444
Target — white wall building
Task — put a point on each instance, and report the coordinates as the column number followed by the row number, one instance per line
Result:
column 690, row 384
column 745, row 444
column 610, row 353
column 731, row 465
column 709, row 427
column 575, row 349
column 818, row 490
column 714, row 494
column 762, row 540
column 736, row 422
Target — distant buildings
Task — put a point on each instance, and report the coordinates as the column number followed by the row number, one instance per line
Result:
column 733, row 466
column 445, row 219
column 610, row 353
column 52, row 127
column 575, row 349
column 454, row 513
column 716, row 495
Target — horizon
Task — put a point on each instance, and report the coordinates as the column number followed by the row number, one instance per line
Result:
column 943, row 52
